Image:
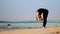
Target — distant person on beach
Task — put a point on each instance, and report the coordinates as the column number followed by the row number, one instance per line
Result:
column 45, row 15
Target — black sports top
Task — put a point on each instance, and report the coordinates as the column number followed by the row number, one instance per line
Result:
column 42, row 10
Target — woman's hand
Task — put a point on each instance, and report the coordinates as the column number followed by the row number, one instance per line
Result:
column 38, row 17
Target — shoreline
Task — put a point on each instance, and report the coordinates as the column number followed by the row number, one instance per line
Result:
column 47, row 30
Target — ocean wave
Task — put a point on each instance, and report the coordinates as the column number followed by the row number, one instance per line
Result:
column 34, row 21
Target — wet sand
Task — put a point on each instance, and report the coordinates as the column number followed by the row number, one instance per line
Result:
column 47, row 30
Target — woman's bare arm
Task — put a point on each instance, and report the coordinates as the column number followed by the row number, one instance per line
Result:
column 37, row 16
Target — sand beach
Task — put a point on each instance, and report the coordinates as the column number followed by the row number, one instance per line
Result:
column 47, row 30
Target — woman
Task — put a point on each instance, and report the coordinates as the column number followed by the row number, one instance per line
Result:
column 45, row 15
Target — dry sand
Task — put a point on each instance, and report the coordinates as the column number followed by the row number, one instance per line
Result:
column 47, row 30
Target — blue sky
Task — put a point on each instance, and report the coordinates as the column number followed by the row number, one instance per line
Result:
column 26, row 9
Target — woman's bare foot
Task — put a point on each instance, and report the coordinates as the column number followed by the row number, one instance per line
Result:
column 43, row 27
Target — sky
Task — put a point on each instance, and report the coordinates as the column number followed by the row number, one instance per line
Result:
column 26, row 9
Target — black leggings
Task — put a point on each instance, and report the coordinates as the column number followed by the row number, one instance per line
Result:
column 45, row 15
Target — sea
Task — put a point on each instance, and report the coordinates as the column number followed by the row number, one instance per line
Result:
column 4, row 25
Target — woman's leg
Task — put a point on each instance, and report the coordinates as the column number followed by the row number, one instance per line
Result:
column 45, row 15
